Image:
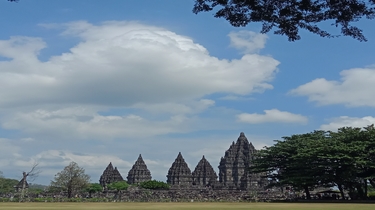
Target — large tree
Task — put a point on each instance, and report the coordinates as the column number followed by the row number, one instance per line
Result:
column 345, row 159
column 288, row 16
column 72, row 179
column 292, row 162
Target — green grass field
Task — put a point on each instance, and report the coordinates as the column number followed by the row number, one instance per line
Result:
column 184, row 206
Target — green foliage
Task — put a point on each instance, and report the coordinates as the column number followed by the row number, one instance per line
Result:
column 154, row 185
column 7, row 185
column 36, row 188
column 123, row 185
column 94, row 188
column 345, row 159
column 289, row 16
column 72, row 179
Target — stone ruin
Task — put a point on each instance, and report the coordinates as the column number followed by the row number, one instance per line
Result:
column 234, row 171
column 234, row 166
column 139, row 172
column 109, row 176
column 204, row 174
column 179, row 174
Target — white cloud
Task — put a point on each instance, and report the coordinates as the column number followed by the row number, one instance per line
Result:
column 270, row 116
column 92, row 125
column 354, row 89
column 124, row 65
column 8, row 152
column 124, row 83
column 248, row 41
column 345, row 121
column 235, row 98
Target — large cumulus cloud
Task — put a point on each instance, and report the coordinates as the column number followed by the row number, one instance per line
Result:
column 124, row 65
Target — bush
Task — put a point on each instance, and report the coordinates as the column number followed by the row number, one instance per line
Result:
column 371, row 195
column 123, row 185
column 154, row 185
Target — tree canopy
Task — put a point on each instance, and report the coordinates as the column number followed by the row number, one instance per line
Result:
column 154, row 184
column 7, row 185
column 72, row 179
column 345, row 159
column 288, row 16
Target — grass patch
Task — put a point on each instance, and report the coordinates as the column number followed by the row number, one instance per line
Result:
column 183, row 206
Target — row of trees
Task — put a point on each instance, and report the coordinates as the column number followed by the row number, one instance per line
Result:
column 344, row 159
column 73, row 180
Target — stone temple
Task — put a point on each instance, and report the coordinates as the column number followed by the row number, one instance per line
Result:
column 109, row 176
column 233, row 168
column 204, row 174
column 234, row 171
column 139, row 172
column 179, row 173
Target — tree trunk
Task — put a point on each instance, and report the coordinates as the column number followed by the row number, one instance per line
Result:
column 360, row 192
column 307, row 191
column 341, row 191
column 23, row 186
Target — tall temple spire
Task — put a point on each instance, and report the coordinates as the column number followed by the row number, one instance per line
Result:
column 204, row 174
column 233, row 168
column 179, row 173
column 139, row 172
column 109, row 176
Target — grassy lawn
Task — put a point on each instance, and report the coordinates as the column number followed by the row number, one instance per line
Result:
column 185, row 206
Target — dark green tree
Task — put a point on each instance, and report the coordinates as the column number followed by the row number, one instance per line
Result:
column 345, row 159
column 292, row 162
column 289, row 16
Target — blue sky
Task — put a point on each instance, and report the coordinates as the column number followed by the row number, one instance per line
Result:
column 104, row 81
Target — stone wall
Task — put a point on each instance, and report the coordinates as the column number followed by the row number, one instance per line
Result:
column 194, row 195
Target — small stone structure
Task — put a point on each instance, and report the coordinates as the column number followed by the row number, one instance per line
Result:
column 109, row 176
column 139, row 172
column 179, row 174
column 19, row 186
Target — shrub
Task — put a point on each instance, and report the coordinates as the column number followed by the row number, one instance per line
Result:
column 154, row 185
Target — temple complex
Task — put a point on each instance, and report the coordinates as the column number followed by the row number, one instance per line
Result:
column 139, row 172
column 179, row 174
column 109, row 176
column 233, row 168
column 234, row 171
column 204, row 174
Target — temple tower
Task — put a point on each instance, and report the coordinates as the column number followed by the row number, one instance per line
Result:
column 233, row 168
column 109, row 176
column 204, row 174
column 139, row 172
column 179, row 173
